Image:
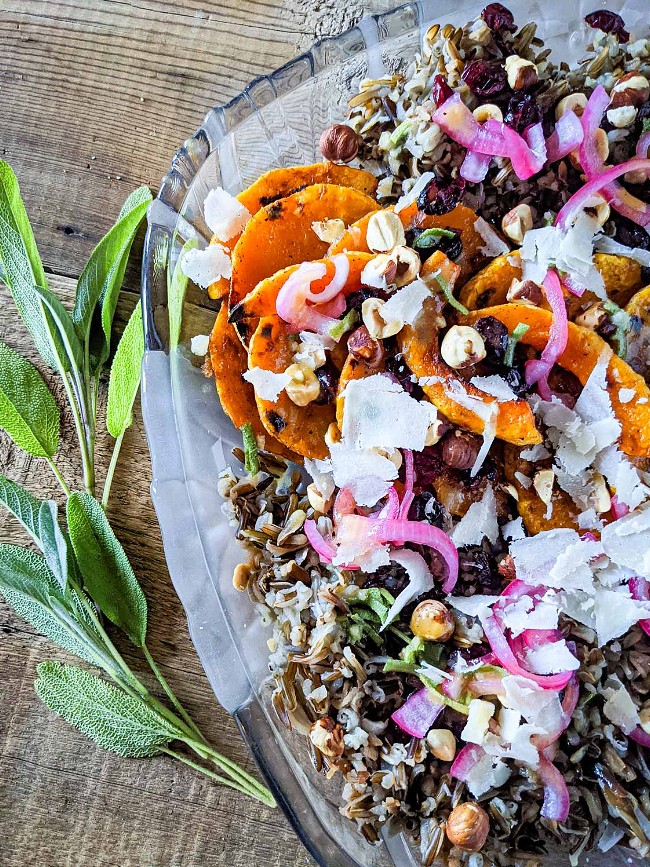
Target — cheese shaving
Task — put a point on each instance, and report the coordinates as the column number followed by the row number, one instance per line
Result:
column 406, row 304
column 204, row 267
column 267, row 384
column 479, row 522
column 224, row 214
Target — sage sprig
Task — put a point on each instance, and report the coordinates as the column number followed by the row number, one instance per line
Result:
column 82, row 576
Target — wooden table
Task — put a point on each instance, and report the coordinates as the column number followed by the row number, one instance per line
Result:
column 96, row 95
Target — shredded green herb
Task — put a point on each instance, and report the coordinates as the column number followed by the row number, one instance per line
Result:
column 399, row 134
column 429, row 237
column 622, row 321
column 449, row 295
column 513, row 340
column 646, row 125
column 337, row 331
column 251, row 461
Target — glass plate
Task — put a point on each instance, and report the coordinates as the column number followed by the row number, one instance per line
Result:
column 276, row 121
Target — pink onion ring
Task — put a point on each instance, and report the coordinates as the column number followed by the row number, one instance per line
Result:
column 465, row 761
column 475, row 167
column 640, row 590
column 538, row 370
column 418, row 713
column 569, row 704
column 457, row 121
column 556, row 795
column 618, row 509
column 409, row 477
column 640, row 736
column 642, row 145
column 599, row 182
column 569, row 283
column 566, row 137
column 325, row 550
column 299, row 306
column 344, row 504
column 391, row 508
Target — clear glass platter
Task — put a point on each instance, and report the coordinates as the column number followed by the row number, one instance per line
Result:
column 275, row 121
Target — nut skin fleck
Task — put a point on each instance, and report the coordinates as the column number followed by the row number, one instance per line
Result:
column 339, row 143
column 327, row 736
column 468, row 826
column 365, row 348
column 460, row 449
column 433, row 621
column 525, row 292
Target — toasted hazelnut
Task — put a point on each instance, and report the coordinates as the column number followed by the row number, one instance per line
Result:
column 598, row 209
column 339, row 143
column 393, row 455
column 467, row 827
column 432, row 621
column 408, row 264
column 328, row 230
column 543, row 482
column 525, row 292
column 600, row 497
column 488, row 112
column 575, row 102
column 378, row 327
column 593, row 317
column 316, row 499
column 304, row 386
column 630, row 89
column 635, row 177
column 460, row 449
column 602, row 149
column 434, row 432
column 644, row 716
column 365, row 348
column 327, row 736
column 380, row 271
column 521, row 73
column 241, row 575
column 622, row 117
column 480, row 33
column 517, row 222
column 461, row 346
column 332, row 434
column 385, row 232
column 442, row 744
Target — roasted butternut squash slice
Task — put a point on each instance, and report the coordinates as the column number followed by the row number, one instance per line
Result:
column 229, row 362
column 581, row 355
column 354, row 368
column 515, row 422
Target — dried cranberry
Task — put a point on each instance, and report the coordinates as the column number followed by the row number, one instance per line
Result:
column 515, row 380
column 425, row 507
column 451, row 247
column 485, row 78
column 498, row 18
column 392, row 578
column 356, row 299
column 327, row 376
column 441, row 90
column 631, row 234
column 610, row 22
column 495, row 337
column 523, row 111
column 396, row 365
column 476, row 565
column 428, row 466
column 441, row 197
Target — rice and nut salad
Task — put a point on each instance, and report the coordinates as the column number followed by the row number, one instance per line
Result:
column 435, row 345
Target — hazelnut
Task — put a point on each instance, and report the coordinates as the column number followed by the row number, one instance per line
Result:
column 575, row 102
column 630, row 89
column 442, row 744
column 380, row 271
column 328, row 230
column 644, row 716
column 602, row 149
column 408, row 264
column 543, row 482
column 599, row 496
column 461, row 346
column 480, row 33
column 635, row 177
column 316, row 499
column 327, row 736
column 488, row 112
column 525, row 292
column 339, row 143
column 521, row 73
column 378, row 326
column 385, row 232
column 467, row 827
column 365, row 348
column 598, row 209
column 304, row 386
column 332, row 434
column 517, row 222
column 435, row 431
column 593, row 317
column 622, row 117
column 432, row 621
column 241, row 575
column 460, row 449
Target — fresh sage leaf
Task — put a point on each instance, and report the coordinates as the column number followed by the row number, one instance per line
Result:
column 104, row 713
column 67, row 346
column 176, row 295
column 100, row 282
column 3, row 273
column 21, row 263
column 126, row 371
column 107, row 573
column 28, row 411
column 40, row 519
column 32, row 591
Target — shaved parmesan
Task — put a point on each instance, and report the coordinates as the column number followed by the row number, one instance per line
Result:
column 366, row 473
column 625, row 395
column 473, row 606
column 224, row 214
column 412, row 195
column 604, row 244
column 514, row 530
column 321, row 474
column 534, row 556
column 494, row 385
column 493, row 244
column 619, row 707
column 537, row 452
column 615, row 612
column 623, row 476
column 532, row 701
column 203, row 267
column 524, row 480
column 199, row 344
column 478, row 523
column 406, row 303
column 478, row 719
column 372, row 410
column 488, row 412
column 267, row 384
column 552, row 658
column 627, row 541
column 489, row 772
column 420, row 581
column 311, row 349
column 525, row 614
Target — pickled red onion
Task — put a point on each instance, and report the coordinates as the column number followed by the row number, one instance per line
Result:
column 598, row 183
column 640, row 736
column 537, row 370
column 618, row 509
column 556, row 795
column 643, row 145
column 566, row 137
column 392, row 507
column 640, row 590
column 344, row 504
column 325, row 550
column 569, row 704
column 409, row 475
column 457, row 121
column 465, row 761
column 418, row 713
column 475, row 167
column 304, row 309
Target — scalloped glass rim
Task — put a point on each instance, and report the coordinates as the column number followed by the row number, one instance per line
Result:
column 275, row 121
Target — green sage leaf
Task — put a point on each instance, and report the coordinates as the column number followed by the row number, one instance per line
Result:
column 32, row 591
column 28, row 412
column 107, row 573
column 176, row 295
column 40, row 519
column 21, row 263
column 109, row 716
column 100, row 282
column 126, row 371
column 66, row 344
